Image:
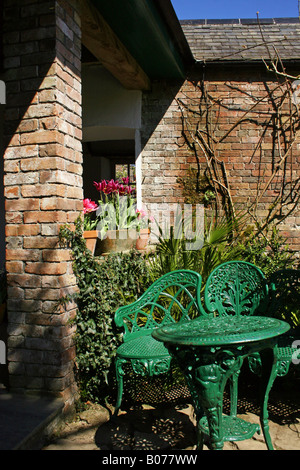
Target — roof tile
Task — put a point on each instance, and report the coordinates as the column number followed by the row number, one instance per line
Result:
column 242, row 39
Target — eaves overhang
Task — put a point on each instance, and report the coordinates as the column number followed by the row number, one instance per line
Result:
column 151, row 32
column 216, row 66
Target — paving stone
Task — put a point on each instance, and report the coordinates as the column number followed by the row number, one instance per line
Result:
column 163, row 428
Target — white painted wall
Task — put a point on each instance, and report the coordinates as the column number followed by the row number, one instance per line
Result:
column 109, row 111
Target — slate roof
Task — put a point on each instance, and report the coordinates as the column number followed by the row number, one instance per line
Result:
column 241, row 39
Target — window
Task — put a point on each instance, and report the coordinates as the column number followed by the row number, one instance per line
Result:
column 106, row 160
column 124, row 170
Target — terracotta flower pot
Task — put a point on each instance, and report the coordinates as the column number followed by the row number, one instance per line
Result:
column 142, row 240
column 91, row 237
column 116, row 241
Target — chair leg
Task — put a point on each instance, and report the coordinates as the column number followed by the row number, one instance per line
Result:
column 269, row 373
column 200, row 438
column 119, row 376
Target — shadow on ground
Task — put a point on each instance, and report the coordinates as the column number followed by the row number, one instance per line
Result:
column 171, row 426
column 148, row 428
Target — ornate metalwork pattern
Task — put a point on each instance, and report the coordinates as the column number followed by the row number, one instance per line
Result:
column 151, row 367
column 210, row 345
column 235, row 288
column 234, row 429
column 174, row 297
column 215, row 331
column 210, row 351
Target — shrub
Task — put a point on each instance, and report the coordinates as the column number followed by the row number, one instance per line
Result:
column 219, row 243
column 268, row 251
column 103, row 286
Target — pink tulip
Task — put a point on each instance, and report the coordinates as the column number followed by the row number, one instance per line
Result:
column 100, row 186
column 89, row 206
column 121, row 190
column 130, row 189
column 114, row 187
column 141, row 213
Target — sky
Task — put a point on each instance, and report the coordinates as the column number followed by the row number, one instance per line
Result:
column 225, row 9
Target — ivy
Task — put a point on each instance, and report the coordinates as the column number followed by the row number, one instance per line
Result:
column 104, row 284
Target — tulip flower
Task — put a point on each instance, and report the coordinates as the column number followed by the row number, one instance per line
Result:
column 116, row 204
column 89, row 206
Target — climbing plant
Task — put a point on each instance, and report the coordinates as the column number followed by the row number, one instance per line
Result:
column 271, row 114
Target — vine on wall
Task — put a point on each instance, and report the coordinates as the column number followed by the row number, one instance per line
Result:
column 273, row 114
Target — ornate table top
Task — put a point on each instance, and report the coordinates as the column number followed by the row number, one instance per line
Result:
column 219, row 331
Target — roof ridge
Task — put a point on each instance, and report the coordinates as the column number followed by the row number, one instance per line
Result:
column 242, row 21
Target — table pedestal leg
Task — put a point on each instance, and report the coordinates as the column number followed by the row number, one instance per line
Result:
column 207, row 378
column 268, row 375
column 207, row 395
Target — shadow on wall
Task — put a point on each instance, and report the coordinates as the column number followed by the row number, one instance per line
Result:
column 114, row 139
column 2, row 209
column 156, row 104
column 41, row 116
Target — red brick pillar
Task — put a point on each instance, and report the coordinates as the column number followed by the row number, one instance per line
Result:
column 43, row 187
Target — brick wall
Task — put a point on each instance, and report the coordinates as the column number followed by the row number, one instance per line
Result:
column 43, row 187
column 249, row 151
column 162, row 159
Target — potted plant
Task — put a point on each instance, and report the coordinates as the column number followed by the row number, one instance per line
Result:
column 115, row 221
column 143, row 227
column 116, row 216
column 90, row 224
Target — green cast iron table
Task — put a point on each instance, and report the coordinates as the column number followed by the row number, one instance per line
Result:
column 209, row 351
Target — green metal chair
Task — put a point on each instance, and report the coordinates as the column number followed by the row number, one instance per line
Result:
column 284, row 304
column 235, row 288
column 175, row 297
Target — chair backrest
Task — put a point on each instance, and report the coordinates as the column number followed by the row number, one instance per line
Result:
column 174, row 297
column 284, row 288
column 236, row 288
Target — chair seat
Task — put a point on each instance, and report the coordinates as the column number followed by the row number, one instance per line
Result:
column 285, row 348
column 285, row 352
column 142, row 347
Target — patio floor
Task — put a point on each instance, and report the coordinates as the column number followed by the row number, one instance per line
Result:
column 26, row 420
column 171, row 427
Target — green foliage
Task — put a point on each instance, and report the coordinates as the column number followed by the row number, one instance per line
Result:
column 268, row 251
column 218, row 243
column 103, row 286
column 222, row 240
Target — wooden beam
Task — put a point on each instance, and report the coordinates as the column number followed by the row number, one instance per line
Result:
column 101, row 41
